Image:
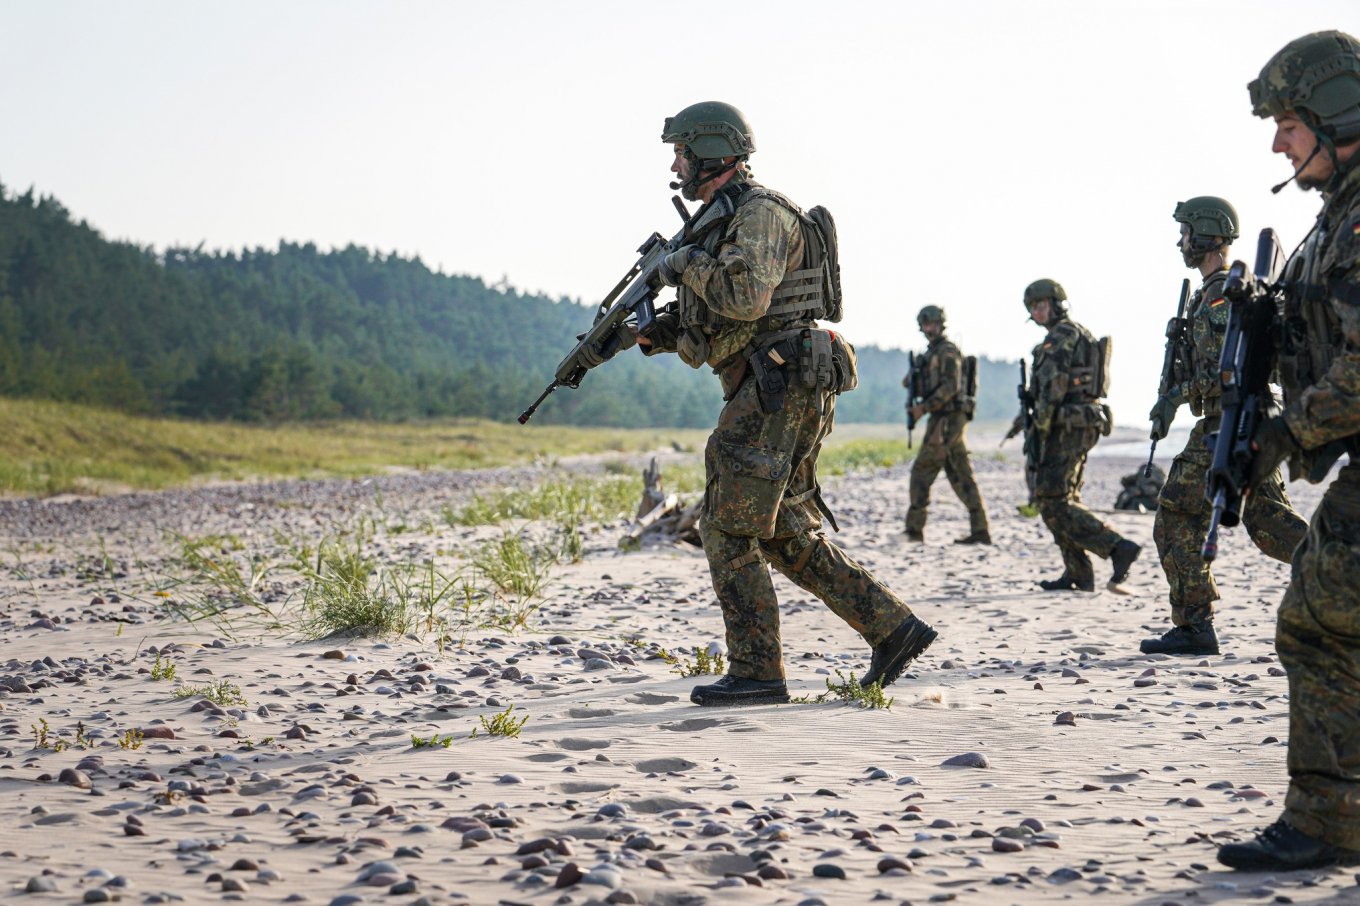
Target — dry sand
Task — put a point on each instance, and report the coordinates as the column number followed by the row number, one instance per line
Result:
column 1109, row 776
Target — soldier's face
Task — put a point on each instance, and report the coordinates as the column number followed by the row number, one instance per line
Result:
column 930, row 329
column 1039, row 311
column 1297, row 142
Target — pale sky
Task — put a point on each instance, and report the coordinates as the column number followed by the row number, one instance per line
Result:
column 965, row 148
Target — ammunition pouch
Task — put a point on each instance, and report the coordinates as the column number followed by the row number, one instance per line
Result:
column 692, row 347
column 1079, row 416
column 816, row 358
column 844, row 363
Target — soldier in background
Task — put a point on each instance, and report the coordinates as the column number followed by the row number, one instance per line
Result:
column 1067, row 381
column 945, row 395
column 1311, row 89
column 1208, row 225
column 751, row 286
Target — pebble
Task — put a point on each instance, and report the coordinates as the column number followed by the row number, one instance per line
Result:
column 966, row 760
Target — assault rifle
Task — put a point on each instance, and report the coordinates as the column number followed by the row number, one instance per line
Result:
column 1172, row 367
column 1244, row 375
column 1032, row 449
column 630, row 304
column 913, row 391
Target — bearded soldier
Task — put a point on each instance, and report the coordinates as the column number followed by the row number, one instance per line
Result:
column 1311, row 89
column 942, row 383
column 1208, row 227
column 1067, row 382
column 753, row 279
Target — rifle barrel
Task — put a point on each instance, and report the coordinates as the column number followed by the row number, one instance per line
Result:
column 529, row 413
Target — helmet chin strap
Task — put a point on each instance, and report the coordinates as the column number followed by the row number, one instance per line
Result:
column 694, row 182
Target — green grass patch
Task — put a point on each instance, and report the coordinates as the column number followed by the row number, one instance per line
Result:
column 54, row 448
column 861, row 454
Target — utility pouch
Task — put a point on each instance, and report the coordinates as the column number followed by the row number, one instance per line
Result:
column 844, row 363
column 771, row 384
column 1101, row 385
column 814, row 359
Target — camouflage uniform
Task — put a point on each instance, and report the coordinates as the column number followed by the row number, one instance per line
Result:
column 1318, row 632
column 943, row 446
column 1183, row 511
column 1069, row 421
column 762, row 505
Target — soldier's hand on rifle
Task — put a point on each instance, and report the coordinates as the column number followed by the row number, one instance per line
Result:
column 1162, row 414
column 1273, row 443
column 672, row 266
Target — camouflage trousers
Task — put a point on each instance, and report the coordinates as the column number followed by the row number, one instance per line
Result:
column 943, row 447
column 1318, row 639
column 1183, row 514
column 762, row 509
column 1057, row 493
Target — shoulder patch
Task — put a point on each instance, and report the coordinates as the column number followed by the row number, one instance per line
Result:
column 1215, row 303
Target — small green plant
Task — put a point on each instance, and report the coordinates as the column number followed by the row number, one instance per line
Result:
column 703, row 664
column 849, row 690
column 502, row 724
column 431, row 742
column 130, row 738
column 163, row 669
column 514, row 565
column 44, row 738
column 219, row 692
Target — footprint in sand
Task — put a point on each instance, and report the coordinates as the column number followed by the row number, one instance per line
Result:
column 547, row 756
column 664, row 765
column 581, row 744
column 587, row 713
column 650, row 698
column 693, row 724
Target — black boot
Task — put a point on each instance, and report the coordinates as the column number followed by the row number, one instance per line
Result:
column 1067, row 583
column 982, row 537
column 1281, row 847
column 738, row 690
column 892, row 655
column 916, row 536
column 1122, row 557
column 1197, row 638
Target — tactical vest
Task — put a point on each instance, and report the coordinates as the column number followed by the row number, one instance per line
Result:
column 1089, row 374
column 806, row 294
column 1204, row 340
column 1310, row 334
column 930, row 370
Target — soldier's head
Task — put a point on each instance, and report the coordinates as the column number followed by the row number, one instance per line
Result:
column 1046, row 301
column 1311, row 88
column 712, row 140
column 1208, row 224
column 931, row 321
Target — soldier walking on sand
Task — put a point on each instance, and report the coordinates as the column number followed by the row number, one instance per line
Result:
column 1067, row 381
column 943, row 385
column 1311, row 88
column 752, row 283
column 1208, row 225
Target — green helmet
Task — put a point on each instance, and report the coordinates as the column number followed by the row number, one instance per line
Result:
column 931, row 314
column 1208, row 215
column 1317, row 78
column 710, row 131
column 1045, row 289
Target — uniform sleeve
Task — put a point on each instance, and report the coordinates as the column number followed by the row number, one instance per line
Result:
column 1330, row 409
column 1052, row 376
column 950, row 379
column 1209, row 330
column 750, row 264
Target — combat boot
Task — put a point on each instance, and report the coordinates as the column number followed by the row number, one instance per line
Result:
column 1196, row 638
column 1122, row 557
column 1281, row 847
column 892, row 655
column 975, row 538
column 739, row 690
column 1067, row 583
column 916, row 536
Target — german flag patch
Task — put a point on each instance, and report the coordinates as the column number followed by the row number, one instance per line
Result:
column 1217, row 302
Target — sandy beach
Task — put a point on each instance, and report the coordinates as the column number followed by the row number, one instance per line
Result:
column 1082, row 771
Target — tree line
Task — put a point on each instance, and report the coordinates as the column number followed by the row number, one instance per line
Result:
column 296, row 333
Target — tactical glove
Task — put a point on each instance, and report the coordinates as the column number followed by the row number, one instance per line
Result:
column 672, row 266
column 1161, row 416
column 1273, row 443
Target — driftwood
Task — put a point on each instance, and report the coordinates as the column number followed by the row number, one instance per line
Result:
column 661, row 517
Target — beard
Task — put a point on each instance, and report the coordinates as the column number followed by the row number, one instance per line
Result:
column 690, row 191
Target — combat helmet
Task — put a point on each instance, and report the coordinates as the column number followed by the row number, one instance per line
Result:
column 710, row 132
column 1213, row 225
column 1047, row 289
column 933, row 314
column 1317, row 78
